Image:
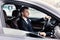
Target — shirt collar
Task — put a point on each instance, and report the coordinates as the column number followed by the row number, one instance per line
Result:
column 25, row 18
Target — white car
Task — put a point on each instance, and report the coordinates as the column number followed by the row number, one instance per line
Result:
column 38, row 10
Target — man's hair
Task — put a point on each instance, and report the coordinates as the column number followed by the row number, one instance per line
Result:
column 23, row 8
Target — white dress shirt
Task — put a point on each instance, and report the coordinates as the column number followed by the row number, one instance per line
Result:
column 25, row 20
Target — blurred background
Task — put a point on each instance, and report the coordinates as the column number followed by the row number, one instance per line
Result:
column 55, row 3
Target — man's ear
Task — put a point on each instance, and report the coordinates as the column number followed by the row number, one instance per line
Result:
column 22, row 13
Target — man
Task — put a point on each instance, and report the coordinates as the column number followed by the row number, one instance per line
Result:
column 24, row 23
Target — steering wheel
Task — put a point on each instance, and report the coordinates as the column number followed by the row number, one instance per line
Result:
column 47, row 23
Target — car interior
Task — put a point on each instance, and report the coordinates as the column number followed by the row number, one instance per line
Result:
column 39, row 20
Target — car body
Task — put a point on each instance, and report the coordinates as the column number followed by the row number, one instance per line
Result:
column 38, row 5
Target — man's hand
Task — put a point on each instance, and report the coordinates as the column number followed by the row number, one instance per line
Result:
column 42, row 34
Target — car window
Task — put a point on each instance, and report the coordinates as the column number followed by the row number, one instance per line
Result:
column 8, row 8
column 36, row 14
column 36, row 17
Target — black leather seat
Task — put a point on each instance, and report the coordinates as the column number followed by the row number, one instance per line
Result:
column 15, row 18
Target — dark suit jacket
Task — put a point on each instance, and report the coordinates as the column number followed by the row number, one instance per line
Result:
column 23, row 25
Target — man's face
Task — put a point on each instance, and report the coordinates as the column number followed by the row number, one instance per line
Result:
column 26, row 13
